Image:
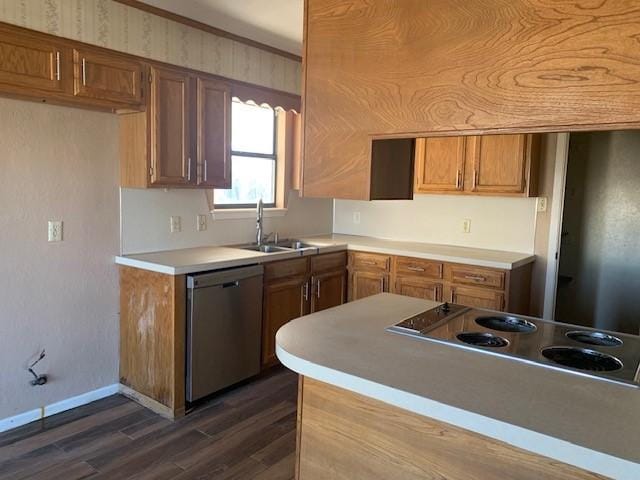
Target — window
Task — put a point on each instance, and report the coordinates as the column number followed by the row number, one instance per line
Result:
column 253, row 158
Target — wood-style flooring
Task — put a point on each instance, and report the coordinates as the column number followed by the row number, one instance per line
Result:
column 246, row 433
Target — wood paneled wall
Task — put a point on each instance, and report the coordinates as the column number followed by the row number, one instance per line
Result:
column 415, row 68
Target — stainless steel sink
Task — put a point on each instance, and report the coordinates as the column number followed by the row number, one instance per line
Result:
column 295, row 245
column 266, row 248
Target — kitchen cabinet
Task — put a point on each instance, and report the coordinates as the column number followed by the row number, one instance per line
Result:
column 439, row 164
column 475, row 297
column 183, row 139
column 505, row 165
column 368, row 274
column 214, row 133
column 283, row 300
column 108, row 78
column 419, row 288
column 296, row 287
column 32, row 66
column 416, row 277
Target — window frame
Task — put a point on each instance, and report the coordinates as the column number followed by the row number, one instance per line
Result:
column 265, row 156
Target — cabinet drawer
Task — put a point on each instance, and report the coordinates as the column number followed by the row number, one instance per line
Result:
column 475, row 297
column 418, row 288
column 369, row 261
column 467, row 275
column 418, row 267
column 328, row 261
column 285, row 268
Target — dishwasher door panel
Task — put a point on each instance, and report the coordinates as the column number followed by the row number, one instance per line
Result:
column 224, row 335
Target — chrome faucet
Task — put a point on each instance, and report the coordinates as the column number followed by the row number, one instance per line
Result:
column 260, row 212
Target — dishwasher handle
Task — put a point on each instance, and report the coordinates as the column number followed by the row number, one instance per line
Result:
column 230, row 277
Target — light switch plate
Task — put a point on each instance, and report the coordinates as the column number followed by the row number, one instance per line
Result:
column 175, row 224
column 201, row 223
column 54, row 231
column 356, row 217
column 466, row 225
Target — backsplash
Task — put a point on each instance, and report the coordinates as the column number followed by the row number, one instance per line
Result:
column 127, row 29
column 144, row 221
column 496, row 223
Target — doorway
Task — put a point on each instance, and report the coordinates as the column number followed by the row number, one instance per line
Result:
column 598, row 280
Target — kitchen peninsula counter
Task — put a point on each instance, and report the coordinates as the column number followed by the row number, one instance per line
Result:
column 574, row 419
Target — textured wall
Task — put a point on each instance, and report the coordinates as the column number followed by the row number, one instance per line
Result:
column 57, row 164
column 601, row 232
column 127, row 29
column 145, row 221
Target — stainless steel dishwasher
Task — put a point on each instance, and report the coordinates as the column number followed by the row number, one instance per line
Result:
column 224, row 322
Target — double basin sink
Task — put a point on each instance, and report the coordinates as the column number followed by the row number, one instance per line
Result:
column 282, row 246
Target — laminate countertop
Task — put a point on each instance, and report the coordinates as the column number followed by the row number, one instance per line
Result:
column 201, row 259
column 586, row 422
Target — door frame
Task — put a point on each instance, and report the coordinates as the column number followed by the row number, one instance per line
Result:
column 555, row 226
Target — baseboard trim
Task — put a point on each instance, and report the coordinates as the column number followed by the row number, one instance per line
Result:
column 149, row 403
column 57, row 407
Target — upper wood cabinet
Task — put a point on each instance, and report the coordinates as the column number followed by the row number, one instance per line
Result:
column 505, row 165
column 30, row 66
column 214, row 133
column 439, row 165
column 108, row 77
column 184, row 137
column 170, row 127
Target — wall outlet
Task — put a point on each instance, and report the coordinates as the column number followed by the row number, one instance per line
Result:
column 542, row 204
column 356, row 217
column 466, row 225
column 201, row 223
column 175, row 225
column 55, row 231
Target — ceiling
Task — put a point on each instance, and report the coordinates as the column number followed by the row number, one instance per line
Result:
column 277, row 23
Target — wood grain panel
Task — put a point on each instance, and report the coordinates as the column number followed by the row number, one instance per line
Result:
column 475, row 297
column 400, row 68
column 115, row 79
column 286, row 268
column 476, row 276
column 369, row 261
column 418, row 287
column 364, row 283
column 152, row 335
column 328, row 289
column 346, row 436
column 328, row 261
column 214, row 133
column 439, row 165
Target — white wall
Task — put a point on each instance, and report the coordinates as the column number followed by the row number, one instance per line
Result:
column 145, row 220
column 496, row 223
column 57, row 164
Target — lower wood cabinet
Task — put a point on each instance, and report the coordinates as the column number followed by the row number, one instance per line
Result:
column 296, row 287
column 419, row 288
column 283, row 300
column 475, row 297
column 368, row 274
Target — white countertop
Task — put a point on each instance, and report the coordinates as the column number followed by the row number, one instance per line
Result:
column 193, row 260
column 586, row 422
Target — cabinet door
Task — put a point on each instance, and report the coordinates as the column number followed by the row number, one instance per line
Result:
column 214, row 133
column 171, row 162
column 499, row 163
column 28, row 63
column 475, row 297
column 418, row 288
column 439, row 165
column 366, row 283
column 328, row 290
column 283, row 301
column 107, row 77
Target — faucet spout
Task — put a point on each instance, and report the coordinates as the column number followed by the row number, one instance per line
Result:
column 260, row 214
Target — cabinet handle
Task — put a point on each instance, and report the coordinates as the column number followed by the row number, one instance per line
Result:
column 476, row 278
column 205, row 170
column 415, row 269
column 452, row 294
column 382, row 284
column 435, row 294
column 84, row 72
column 475, row 179
column 458, row 179
column 189, row 169
column 318, row 288
column 58, row 66
column 305, row 291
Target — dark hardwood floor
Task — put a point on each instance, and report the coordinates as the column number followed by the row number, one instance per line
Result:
column 246, row 433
